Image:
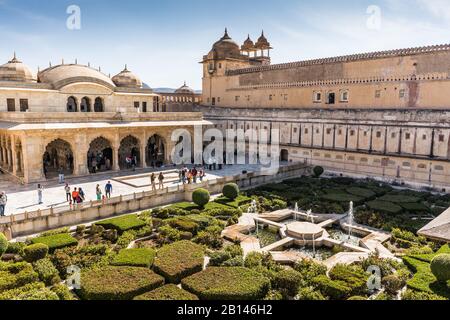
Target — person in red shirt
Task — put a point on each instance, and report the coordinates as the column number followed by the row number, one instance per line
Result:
column 75, row 195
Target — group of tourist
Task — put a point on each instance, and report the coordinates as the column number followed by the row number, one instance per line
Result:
column 77, row 195
column 190, row 176
column 160, row 181
column 74, row 196
column 96, row 161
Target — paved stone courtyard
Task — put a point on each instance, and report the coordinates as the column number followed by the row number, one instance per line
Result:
column 25, row 198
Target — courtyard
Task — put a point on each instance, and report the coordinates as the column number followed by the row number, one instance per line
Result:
column 25, row 199
column 252, row 244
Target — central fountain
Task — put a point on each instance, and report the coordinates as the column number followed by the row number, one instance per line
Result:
column 351, row 218
column 295, row 211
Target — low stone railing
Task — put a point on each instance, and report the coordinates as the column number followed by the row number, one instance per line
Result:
column 28, row 223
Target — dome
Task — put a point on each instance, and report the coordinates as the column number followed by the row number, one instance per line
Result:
column 65, row 74
column 248, row 45
column 226, row 48
column 184, row 89
column 127, row 79
column 16, row 71
column 262, row 43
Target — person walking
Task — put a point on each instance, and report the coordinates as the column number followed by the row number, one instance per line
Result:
column 81, row 194
column 98, row 192
column 75, row 195
column 3, row 201
column 194, row 174
column 161, row 180
column 108, row 189
column 61, row 175
column 153, row 181
column 68, row 195
column 39, row 193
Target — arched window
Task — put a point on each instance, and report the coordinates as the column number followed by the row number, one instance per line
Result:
column 98, row 105
column 85, row 105
column 71, row 104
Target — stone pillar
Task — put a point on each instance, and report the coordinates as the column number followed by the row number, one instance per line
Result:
column 9, row 158
column 115, row 147
column 80, row 155
column 32, row 151
column 14, row 156
column 143, row 146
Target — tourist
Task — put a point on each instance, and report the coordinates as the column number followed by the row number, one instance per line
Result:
column 39, row 192
column 108, row 189
column 153, row 181
column 75, row 195
column 98, row 192
column 81, row 194
column 183, row 174
column 194, row 174
column 3, row 200
column 61, row 175
column 68, row 195
column 180, row 175
column 45, row 171
column 161, row 180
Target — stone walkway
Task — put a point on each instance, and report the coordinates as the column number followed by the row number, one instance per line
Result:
column 24, row 198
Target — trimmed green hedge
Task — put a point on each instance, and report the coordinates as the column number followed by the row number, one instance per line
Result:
column 118, row 283
column 122, row 224
column 399, row 198
column 47, row 272
column 167, row 292
column 135, row 258
column 35, row 252
column 342, row 197
column 56, row 241
column 361, row 192
column 423, row 279
column 15, row 275
column 3, row 244
column 383, row 206
column 415, row 207
column 179, row 260
column 335, row 289
column 227, row 283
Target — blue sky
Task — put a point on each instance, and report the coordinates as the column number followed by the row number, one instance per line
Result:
column 163, row 40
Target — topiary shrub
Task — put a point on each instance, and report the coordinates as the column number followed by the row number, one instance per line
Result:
column 135, row 258
column 231, row 191
column 217, row 258
column 288, row 282
column 166, row 293
column 118, row 283
column 3, row 244
column 201, row 197
column 122, row 224
column 56, row 241
column 227, row 283
column 35, row 252
column 46, row 271
column 335, row 289
column 440, row 266
column 318, row 171
column 179, row 260
column 392, row 284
